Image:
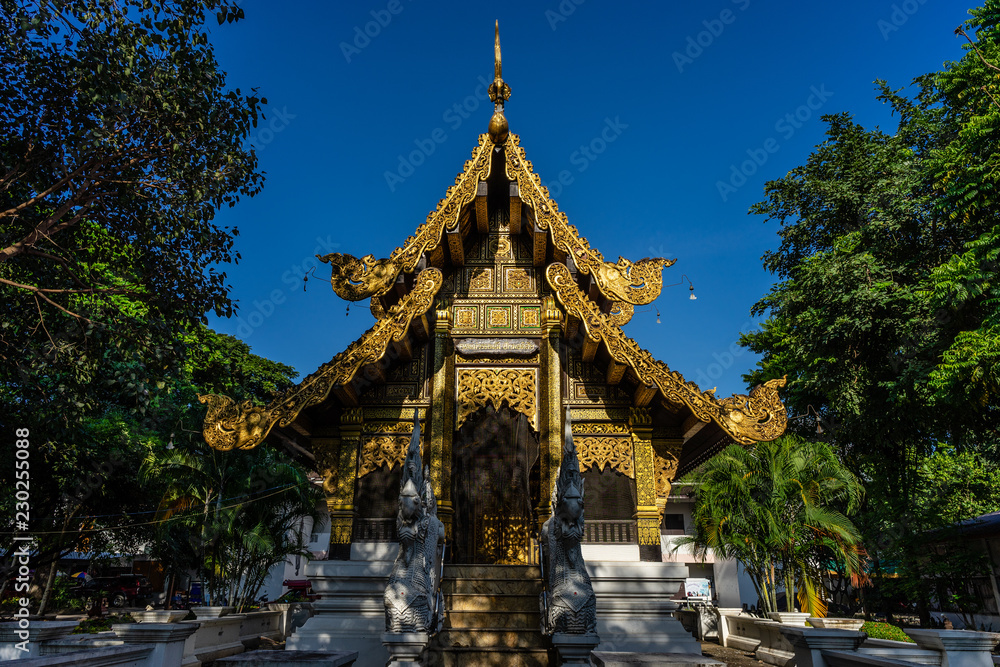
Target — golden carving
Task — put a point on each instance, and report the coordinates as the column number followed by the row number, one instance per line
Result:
column 499, row 317
column 401, row 427
column 518, row 279
column 601, row 452
column 481, row 280
column 505, row 540
column 462, row 359
column 621, row 313
column 503, row 247
column 748, row 419
column 649, row 531
column 664, row 470
column 383, row 450
column 355, row 279
column 636, row 283
column 599, row 428
column 530, row 317
column 644, row 476
column 398, row 412
column 498, row 91
column 478, row 387
column 340, row 529
column 244, row 426
column 584, row 414
column 465, row 316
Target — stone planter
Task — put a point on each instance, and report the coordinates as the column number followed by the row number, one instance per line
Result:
column 159, row 616
column 211, row 612
column 795, row 618
column 958, row 648
column 838, row 623
column 774, row 648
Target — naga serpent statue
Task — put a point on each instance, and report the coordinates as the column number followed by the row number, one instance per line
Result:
column 572, row 606
column 413, row 584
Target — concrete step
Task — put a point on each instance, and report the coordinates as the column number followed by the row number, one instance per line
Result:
column 483, row 619
column 490, row 657
column 495, row 603
column 492, row 586
column 492, row 572
column 490, row 638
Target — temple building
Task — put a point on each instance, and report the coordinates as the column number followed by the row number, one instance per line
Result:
column 491, row 319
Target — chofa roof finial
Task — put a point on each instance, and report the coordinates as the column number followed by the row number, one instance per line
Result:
column 499, row 93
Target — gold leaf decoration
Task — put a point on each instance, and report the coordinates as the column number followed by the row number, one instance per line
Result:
column 383, row 450
column 610, row 428
column 355, row 279
column 231, row 426
column 664, row 469
column 602, row 452
column 748, row 419
column 479, row 387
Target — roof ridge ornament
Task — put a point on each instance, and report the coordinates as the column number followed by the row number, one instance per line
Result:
column 499, row 93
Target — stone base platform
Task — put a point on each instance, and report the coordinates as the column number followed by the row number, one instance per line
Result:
column 290, row 659
column 629, row 659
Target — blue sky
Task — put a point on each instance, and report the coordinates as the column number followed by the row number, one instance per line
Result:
column 375, row 106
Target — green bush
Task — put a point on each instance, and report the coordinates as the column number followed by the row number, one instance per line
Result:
column 885, row 631
column 64, row 595
column 95, row 625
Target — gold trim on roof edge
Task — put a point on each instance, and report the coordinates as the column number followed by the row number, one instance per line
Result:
column 636, row 283
column 356, row 278
column 231, row 425
column 747, row 419
column 632, row 283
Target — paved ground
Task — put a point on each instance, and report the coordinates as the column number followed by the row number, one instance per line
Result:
column 733, row 657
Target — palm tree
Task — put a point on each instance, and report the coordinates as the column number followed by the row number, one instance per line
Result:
column 234, row 514
column 776, row 507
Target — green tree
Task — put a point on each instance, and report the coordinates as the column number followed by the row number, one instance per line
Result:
column 119, row 142
column 776, row 507
column 86, row 490
column 886, row 314
column 232, row 515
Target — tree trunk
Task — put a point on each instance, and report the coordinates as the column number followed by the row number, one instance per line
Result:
column 48, row 586
column 169, row 602
column 789, row 590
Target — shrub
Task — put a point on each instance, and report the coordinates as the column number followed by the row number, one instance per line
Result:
column 95, row 625
column 877, row 630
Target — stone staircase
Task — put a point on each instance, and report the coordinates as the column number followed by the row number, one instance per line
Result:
column 491, row 618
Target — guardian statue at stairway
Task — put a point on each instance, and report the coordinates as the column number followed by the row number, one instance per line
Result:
column 412, row 592
column 571, row 604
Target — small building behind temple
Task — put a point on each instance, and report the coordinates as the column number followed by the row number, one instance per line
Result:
column 491, row 319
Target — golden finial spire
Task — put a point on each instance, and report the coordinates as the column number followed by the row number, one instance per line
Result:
column 499, row 93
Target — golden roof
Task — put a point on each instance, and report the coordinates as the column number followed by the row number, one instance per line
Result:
column 621, row 285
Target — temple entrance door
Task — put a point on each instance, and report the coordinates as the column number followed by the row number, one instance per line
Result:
column 494, row 488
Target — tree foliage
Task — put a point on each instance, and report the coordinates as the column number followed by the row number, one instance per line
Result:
column 779, row 508
column 886, row 317
column 119, row 140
